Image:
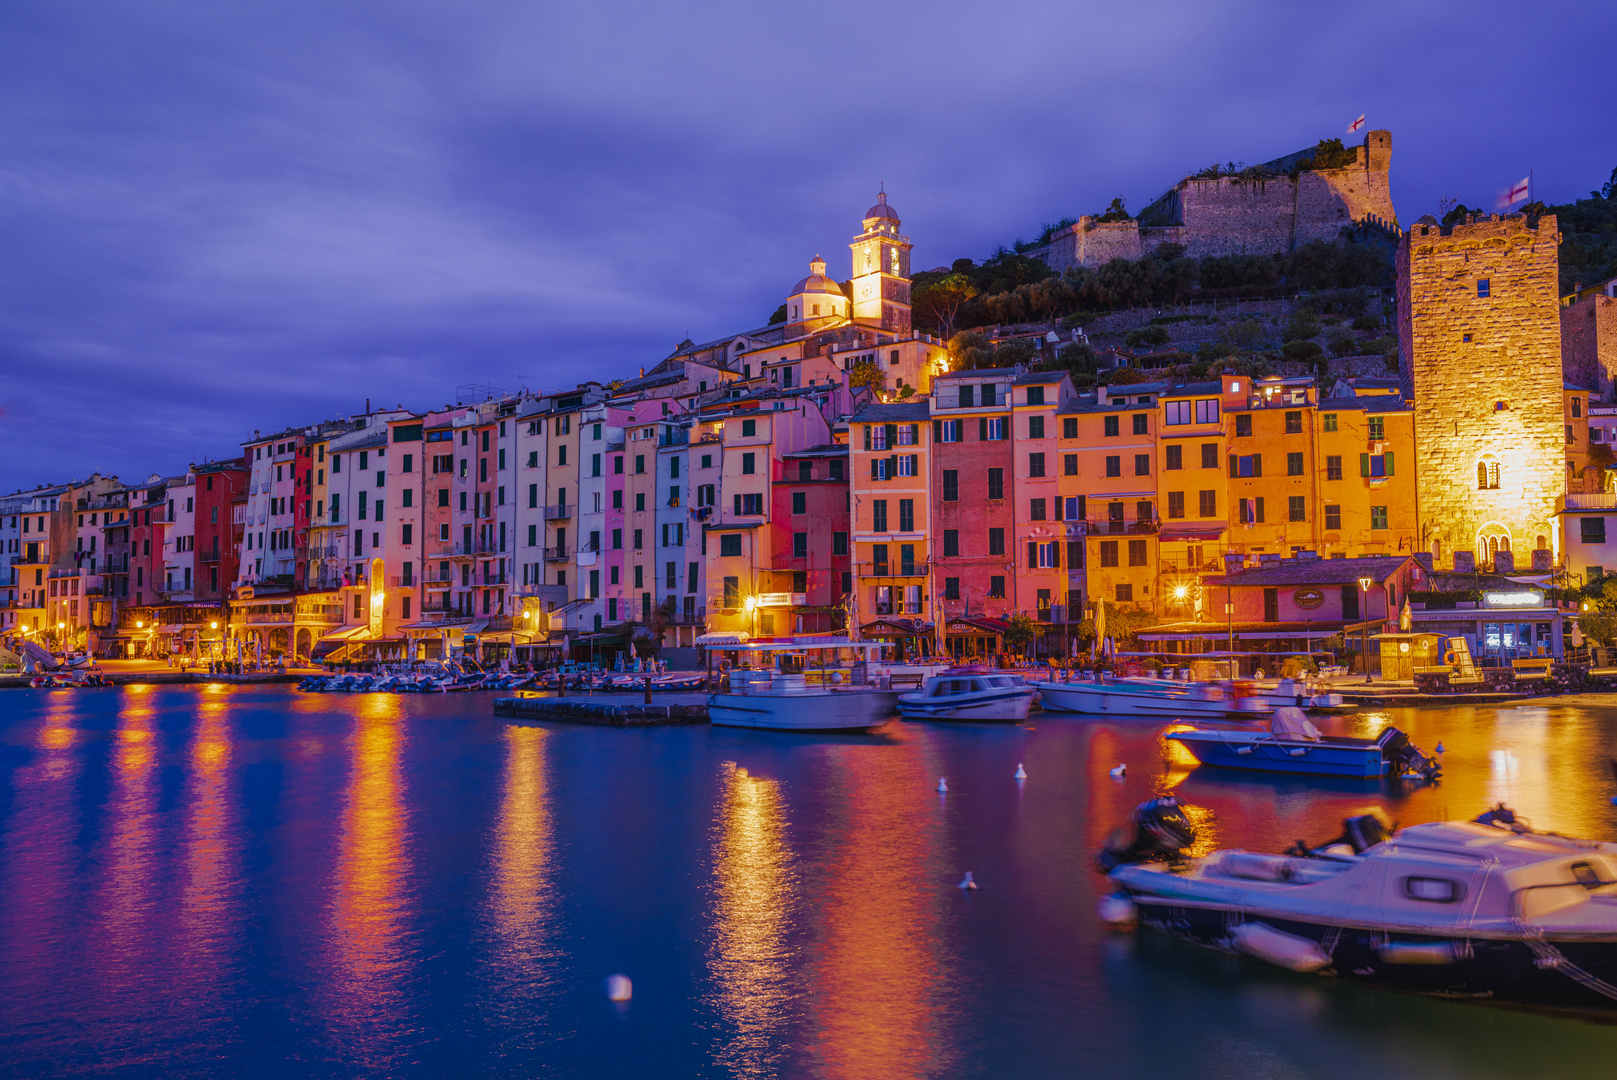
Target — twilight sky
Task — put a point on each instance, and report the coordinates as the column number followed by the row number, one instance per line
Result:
column 221, row 217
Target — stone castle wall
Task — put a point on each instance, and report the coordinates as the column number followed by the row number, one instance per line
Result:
column 1589, row 343
column 1227, row 216
column 1486, row 372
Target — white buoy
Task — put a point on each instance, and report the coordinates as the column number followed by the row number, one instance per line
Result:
column 966, row 882
column 1021, row 772
column 1121, row 770
column 943, row 785
column 619, row 988
column 1118, row 911
column 1440, row 748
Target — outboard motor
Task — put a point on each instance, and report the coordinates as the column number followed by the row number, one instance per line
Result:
column 1359, row 833
column 1503, row 817
column 1404, row 756
column 1161, row 832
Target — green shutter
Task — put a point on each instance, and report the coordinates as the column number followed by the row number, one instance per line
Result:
column 867, row 436
column 1364, row 464
column 1055, row 555
column 915, row 464
column 1257, row 464
column 1388, row 456
column 937, row 431
column 915, row 433
column 982, row 429
column 892, row 435
column 1032, row 555
column 1234, row 466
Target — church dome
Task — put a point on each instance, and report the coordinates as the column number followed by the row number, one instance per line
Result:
column 817, row 282
column 881, row 211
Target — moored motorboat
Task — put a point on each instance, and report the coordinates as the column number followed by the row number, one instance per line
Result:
column 1166, row 698
column 1487, row 909
column 1298, row 694
column 1293, row 745
column 969, row 694
column 785, row 702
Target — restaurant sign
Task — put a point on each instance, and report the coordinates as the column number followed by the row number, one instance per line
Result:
column 1526, row 598
column 1308, row 598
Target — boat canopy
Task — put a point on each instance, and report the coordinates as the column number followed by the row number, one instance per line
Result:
column 1290, row 723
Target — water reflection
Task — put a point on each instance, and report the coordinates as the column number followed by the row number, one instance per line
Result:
column 211, row 918
column 521, row 906
column 755, row 892
column 371, row 906
column 879, row 1005
column 126, row 954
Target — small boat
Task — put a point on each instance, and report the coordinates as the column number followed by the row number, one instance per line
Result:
column 1168, row 698
column 785, row 702
column 1299, row 695
column 1294, row 745
column 969, row 694
column 1486, row 909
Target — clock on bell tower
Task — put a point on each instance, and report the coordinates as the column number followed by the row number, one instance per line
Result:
column 881, row 271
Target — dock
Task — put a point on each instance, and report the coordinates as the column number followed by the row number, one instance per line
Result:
column 609, row 714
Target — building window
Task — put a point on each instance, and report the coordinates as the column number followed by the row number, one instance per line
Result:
column 1592, row 530
column 1296, row 508
column 906, row 515
column 1271, row 605
column 1294, row 423
column 1076, row 507
column 1142, row 464
column 1378, row 427
column 1035, row 424
column 1142, row 423
column 1035, row 510
column 749, row 428
column 951, row 485
column 996, row 483
column 1577, row 407
column 1108, row 553
column 1333, row 467
column 1207, row 504
column 1069, row 427
column 1125, row 593
column 1137, row 551
column 1375, row 465
column 948, row 430
column 729, row 546
column 1112, row 427
column 1035, row 464
column 1243, row 426
column 799, row 502
column 996, row 587
column 1069, row 465
column 1330, row 421
column 1209, row 455
column 1176, row 504
column 839, row 543
column 1378, row 517
column 996, row 541
column 951, row 542
column 878, row 515
column 1175, row 413
column 1483, row 288
column 799, row 546
column 1246, row 465
column 1174, row 457
column 993, row 429
column 1333, row 517
column 1487, row 474
column 1035, row 396
column 1114, row 465
column 1294, row 463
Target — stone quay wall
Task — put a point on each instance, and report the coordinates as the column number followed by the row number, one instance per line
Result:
column 1486, row 370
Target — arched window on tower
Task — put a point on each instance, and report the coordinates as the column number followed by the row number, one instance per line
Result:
column 1488, row 473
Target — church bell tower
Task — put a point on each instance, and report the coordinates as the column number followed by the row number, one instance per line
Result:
column 881, row 271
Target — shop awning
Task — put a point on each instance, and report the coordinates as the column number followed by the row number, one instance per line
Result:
column 725, row 638
column 975, row 626
column 1180, row 533
column 1256, row 631
column 895, row 628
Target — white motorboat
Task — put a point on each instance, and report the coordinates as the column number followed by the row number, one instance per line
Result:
column 786, row 702
column 1165, row 698
column 1487, row 909
column 967, row 694
column 1297, row 694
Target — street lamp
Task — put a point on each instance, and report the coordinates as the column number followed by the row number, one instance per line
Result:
column 1364, row 625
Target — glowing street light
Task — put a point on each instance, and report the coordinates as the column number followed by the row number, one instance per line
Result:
column 1364, row 625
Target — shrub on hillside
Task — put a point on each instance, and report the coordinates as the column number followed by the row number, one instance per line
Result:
column 1301, row 350
column 1302, row 325
column 1147, row 335
column 1367, row 322
column 1343, row 343
column 1244, row 333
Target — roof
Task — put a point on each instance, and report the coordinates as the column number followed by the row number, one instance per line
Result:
column 1377, row 568
column 1382, row 403
column 906, row 412
column 828, row 450
column 882, row 210
column 1037, row 378
column 1574, row 386
column 980, row 373
column 817, row 281
column 1197, row 389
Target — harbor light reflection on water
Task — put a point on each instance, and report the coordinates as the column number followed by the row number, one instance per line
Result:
column 252, row 882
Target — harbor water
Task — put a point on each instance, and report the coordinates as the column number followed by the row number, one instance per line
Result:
column 248, row 881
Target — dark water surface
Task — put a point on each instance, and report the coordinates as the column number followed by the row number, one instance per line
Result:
column 252, row 882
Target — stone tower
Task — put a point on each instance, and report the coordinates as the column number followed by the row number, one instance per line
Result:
column 1480, row 337
column 881, row 271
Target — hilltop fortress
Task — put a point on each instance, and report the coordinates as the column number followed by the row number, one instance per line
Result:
column 1264, row 210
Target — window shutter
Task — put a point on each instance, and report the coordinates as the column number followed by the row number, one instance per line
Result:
column 1055, row 555
column 937, row 431
column 738, row 506
column 867, row 436
column 1032, row 555
column 1075, row 554
column 892, row 466
column 875, row 468
column 982, row 429
column 1234, row 466
column 1388, row 456
column 1257, row 464
column 1364, row 464
column 915, row 465
column 892, row 434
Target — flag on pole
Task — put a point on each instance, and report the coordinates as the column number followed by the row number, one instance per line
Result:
column 1517, row 192
column 1357, row 125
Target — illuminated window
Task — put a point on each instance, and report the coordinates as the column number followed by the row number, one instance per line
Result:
column 1487, row 474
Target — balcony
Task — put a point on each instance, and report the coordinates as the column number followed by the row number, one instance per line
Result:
column 492, row 579
column 556, row 554
column 1122, row 528
column 695, row 617
column 443, row 549
column 894, row 569
column 559, row 512
column 1587, row 501
column 209, row 556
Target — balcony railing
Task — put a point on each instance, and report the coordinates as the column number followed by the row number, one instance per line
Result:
column 443, row 549
column 1586, row 501
column 555, row 554
column 559, row 512
column 1123, row 528
column 694, row 617
column 211, row 555
column 894, row 569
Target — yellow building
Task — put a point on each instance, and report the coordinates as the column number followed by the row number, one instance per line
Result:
column 891, row 523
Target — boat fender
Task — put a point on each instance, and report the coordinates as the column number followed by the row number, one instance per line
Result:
column 1118, row 912
column 1299, row 752
column 1021, row 772
column 943, row 785
column 1243, row 749
column 1120, row 771
column 1263, row 942
column 1423, row 952
column 619, row 988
